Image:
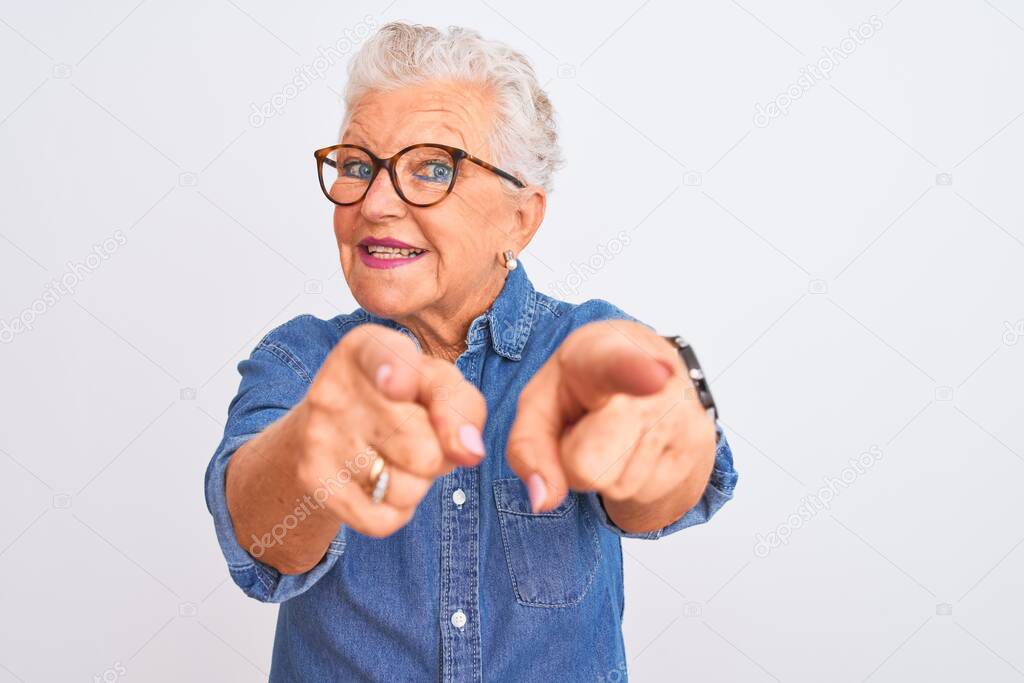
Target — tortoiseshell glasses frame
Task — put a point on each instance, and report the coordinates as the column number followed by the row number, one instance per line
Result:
column 323, row 156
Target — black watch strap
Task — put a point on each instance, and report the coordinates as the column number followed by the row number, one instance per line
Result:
column 700, row 383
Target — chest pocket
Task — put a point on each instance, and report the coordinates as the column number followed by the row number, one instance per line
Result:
column 552, row 556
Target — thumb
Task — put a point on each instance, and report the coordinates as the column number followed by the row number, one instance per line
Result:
column 388, row 359
column 607, row 359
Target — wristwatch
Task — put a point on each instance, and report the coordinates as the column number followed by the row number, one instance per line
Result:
column 700, row 383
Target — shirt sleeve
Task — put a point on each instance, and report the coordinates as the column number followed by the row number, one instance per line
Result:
column 717, row 493
column 273, row 380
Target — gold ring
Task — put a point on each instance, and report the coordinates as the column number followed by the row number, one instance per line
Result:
column 379, row 480
column 376, row 467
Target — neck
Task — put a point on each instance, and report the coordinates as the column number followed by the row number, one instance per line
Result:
column 442, row 329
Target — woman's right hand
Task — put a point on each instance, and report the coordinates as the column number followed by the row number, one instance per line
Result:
column 375, row 395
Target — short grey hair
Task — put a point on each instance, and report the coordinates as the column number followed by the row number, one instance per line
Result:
column 524, row 137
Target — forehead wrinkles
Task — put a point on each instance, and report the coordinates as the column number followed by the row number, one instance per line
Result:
column 387, row 122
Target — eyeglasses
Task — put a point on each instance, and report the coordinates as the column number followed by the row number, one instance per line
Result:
column 421, row 174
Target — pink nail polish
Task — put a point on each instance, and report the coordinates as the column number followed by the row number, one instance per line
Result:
column 383, row 372
column 471, row 439
column 537, row 490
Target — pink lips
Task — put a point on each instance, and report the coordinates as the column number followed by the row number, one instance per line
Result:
column 375, row 262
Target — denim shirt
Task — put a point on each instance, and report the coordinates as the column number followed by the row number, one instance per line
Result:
column 476, row 586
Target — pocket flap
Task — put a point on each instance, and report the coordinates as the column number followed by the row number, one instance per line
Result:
column 511, row 496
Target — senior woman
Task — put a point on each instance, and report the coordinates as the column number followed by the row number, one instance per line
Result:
column 435, row 485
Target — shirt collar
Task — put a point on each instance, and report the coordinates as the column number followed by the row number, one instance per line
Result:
column 509, row 319
column 511, row 315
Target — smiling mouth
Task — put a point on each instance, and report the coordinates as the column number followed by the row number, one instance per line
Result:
column 387, row 253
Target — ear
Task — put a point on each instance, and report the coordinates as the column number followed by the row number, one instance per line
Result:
column 531, row 204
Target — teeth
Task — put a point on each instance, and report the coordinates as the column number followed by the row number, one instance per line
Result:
column 392, row 252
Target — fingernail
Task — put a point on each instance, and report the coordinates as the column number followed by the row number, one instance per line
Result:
column 471, row 439
column 537, row 490
column 383, row 372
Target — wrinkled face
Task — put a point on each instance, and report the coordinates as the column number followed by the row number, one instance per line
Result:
column 461, row 238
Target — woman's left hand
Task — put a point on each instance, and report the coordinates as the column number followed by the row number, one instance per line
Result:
column 613, row 411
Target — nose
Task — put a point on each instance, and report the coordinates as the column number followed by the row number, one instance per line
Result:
column 382, row 202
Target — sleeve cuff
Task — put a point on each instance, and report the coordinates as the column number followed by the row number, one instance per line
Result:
column 256, row 579
column 717, row 493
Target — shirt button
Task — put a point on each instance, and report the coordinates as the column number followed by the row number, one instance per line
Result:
column 459, row 497
column 459, row 619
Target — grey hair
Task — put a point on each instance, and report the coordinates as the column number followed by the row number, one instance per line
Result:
column 524, row 137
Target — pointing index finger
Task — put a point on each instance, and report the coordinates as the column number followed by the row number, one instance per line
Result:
column 533, row 449
column 457, row 411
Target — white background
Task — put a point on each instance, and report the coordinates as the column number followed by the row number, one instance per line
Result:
column 840, row 294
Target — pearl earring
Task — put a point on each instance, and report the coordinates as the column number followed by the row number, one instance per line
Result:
column 510, row 260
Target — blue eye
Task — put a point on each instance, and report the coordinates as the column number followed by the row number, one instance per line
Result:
column 356, row 169
column 435, row 172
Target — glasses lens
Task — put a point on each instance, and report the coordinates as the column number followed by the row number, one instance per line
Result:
column 346, row 173
column 425, row 174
